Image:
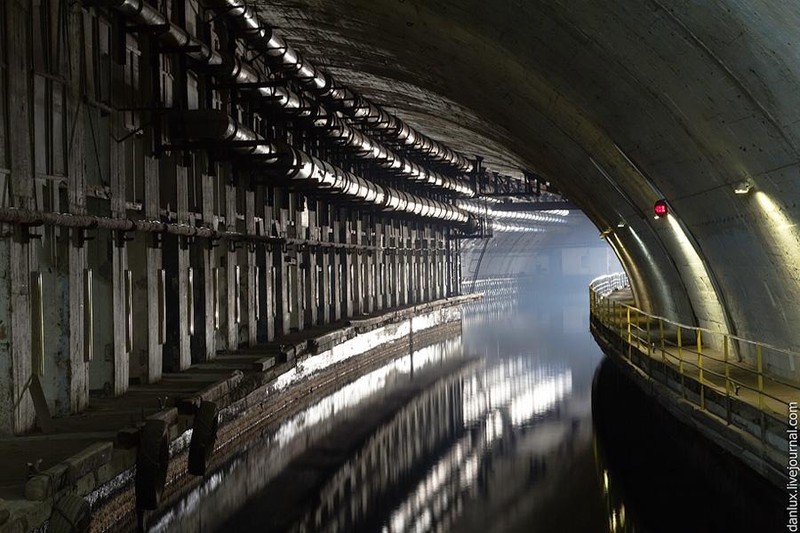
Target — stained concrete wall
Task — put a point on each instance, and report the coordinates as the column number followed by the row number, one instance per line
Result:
column 85, row 131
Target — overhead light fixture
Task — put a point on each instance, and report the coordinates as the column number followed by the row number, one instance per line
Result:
column 660, row 209
column 743, row 187
column 621, row 224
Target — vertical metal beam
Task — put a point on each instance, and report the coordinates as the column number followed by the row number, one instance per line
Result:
column 336, row 268
column 397, row 266
column 268, row 310
column 324, row 263
column 357, row 270
column 380, row 266
column 368, row 262
column 348, row 294
column 122, row 318
column 17, row 263
column 119, row 171
column 232, row 294
column 283, row 316
column 81, row 341
column 310, row 270
column 210, row 296
column 251, row 302
column 402, row 265
column 185, row 314
column 153, row 266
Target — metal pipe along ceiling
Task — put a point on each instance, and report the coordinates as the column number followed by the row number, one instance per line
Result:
column 541, row 217
column 353, row 105
column 297, row 105
column 341, row 133
column 295, row 165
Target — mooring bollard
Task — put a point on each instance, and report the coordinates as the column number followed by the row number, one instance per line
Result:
column 204, row 435
column 152, row 461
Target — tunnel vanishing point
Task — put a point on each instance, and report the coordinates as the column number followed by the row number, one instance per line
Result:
column 183, row 182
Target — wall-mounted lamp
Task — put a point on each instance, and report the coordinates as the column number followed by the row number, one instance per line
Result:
column 743, row 187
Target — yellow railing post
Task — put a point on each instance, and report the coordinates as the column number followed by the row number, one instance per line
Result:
column 680, row 362
column 699, row 341
column 725, row 354
column 628, row 319
column 610, row 312
column 760, row 367
column 727, row 378
column 700, row 368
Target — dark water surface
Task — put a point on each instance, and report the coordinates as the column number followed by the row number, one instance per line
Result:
column 490, row 431
column 541, row 475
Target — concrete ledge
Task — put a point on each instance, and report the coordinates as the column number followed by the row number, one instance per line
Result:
column 54, row 479
column 106, row 468
column 329, row 340
column 213, row 392
column 263, row 364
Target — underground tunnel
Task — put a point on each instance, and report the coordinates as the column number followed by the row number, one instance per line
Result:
column 399, row 265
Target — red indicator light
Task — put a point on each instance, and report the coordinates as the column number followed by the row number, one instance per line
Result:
column 660, row 208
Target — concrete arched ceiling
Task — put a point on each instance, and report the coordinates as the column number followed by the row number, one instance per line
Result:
column 619, row 103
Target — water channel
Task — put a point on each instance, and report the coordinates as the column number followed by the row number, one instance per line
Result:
column 492, row 430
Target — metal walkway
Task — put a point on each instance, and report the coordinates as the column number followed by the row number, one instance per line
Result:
column 715, row 367
column 736, row 380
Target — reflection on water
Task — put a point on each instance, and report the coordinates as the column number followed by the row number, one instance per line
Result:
column 618, row 520
column 223, row 492
column 481, row 448
column 658, row 476
column 496, row 401
column 418, row 445
column 538, row 470
column 436, row 441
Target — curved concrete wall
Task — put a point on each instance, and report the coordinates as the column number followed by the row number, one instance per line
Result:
column 619, row 103
column 561, row 259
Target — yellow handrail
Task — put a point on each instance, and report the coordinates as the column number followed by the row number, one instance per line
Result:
column 712, row 369
column 765, row 345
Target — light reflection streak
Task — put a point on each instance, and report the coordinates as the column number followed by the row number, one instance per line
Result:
column 782, row 228
column 709, row 309
column 514, row 391
column 364, row 343
column 360, row 389
column 512, row 379
column 317, row 415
